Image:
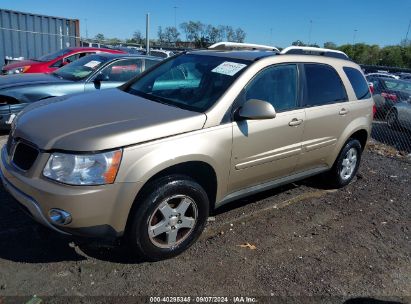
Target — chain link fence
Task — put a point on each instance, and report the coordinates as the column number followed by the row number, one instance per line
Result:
column 392, row 127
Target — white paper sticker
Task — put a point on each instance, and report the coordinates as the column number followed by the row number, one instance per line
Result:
column 92, row 64
column 229, row 68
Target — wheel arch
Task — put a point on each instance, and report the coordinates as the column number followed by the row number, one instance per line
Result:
column 10, row 99
column 362, row 136
column 201, row 172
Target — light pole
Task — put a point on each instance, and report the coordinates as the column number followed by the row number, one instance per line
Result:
column 408, row 31
column 354, row 36
column 86, row 29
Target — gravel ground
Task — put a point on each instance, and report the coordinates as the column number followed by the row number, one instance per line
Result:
column 303, row 241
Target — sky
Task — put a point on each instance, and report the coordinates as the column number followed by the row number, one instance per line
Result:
column 270, row 22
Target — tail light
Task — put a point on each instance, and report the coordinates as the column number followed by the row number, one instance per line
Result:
column 390, row 96
column 374, row 111
column 371, row 86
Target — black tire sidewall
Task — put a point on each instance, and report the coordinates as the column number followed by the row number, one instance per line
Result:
column 160, row 190
column 336, row 170
column 392, row 123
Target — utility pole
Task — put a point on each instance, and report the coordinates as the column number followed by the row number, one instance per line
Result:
column 408, row 31
column 148, row 34
column 309, row 32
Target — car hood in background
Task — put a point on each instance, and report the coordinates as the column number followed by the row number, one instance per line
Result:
column 10, row 81
column 101, row 120
column 21, row 63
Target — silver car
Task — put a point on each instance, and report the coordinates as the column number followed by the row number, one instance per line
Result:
column 399, row 117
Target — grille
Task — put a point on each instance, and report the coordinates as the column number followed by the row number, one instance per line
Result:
column 24, row 156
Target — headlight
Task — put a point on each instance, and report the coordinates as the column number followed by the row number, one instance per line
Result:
column 19, row 70
column 83, row 169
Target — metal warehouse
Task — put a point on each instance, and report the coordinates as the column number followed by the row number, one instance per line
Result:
column 26, row 35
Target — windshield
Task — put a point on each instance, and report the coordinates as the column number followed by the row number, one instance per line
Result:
column 399, row 85
column 81, row 68
column 192, row 82
column 54, row 55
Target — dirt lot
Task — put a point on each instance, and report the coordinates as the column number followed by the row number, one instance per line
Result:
column 353, row 242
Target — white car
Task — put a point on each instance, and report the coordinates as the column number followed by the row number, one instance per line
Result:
column 387, row 75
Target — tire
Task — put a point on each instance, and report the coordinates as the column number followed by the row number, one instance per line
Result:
column 392, row 119
column 344, row 168
column 153, row 236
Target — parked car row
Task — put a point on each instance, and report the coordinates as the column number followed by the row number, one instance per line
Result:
column 392, row 98
column 53, row 61
column 93, row 72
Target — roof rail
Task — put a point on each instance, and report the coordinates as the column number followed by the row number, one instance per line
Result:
column 242, row 46
column 308, row 50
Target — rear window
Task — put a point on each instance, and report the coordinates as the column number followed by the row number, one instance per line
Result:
column 358, row 83
column 324, row 86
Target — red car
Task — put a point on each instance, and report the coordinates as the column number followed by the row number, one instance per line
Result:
column 50, row 62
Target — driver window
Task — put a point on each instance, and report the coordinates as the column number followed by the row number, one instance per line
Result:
column 71, row 58
column 123, row 70
column 276, row 85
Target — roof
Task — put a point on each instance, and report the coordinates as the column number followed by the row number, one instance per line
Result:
column 120, row 55
column 242, row 55
column 82, row 48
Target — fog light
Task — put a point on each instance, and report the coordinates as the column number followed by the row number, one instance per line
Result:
column 60, row 217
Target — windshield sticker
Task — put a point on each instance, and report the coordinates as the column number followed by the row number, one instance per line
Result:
column 229, row 68
column 92, row 64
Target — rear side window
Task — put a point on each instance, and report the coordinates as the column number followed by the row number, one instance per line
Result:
column 324, row 86
column 358, row 83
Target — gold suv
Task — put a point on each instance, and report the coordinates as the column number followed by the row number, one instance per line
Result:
column 150, row 160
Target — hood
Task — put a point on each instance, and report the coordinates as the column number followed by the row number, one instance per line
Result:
column 20, row 63
column 101, row 120
column 10, row 81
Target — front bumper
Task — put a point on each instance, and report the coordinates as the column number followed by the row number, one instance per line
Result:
column 28, row 203
column 97, row 211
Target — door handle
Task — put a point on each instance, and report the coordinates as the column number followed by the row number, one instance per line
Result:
column 343, row 111
column 295, row 122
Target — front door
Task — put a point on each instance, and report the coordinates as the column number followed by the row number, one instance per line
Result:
column 116, row 74
column 264, row 150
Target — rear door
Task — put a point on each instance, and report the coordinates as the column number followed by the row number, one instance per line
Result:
column 265, row 150
column 327, row 113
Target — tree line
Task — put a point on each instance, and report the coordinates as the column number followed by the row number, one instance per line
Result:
column 361, row 53
column 199, row 34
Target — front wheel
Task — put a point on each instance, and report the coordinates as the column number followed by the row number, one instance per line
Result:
column 169, row 218
column 346, row 165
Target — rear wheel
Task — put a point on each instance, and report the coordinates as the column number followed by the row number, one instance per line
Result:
column 169, row 219
column 346, row 165
column 392, row 119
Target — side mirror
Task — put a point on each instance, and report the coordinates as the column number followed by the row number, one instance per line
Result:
column 256, row 109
